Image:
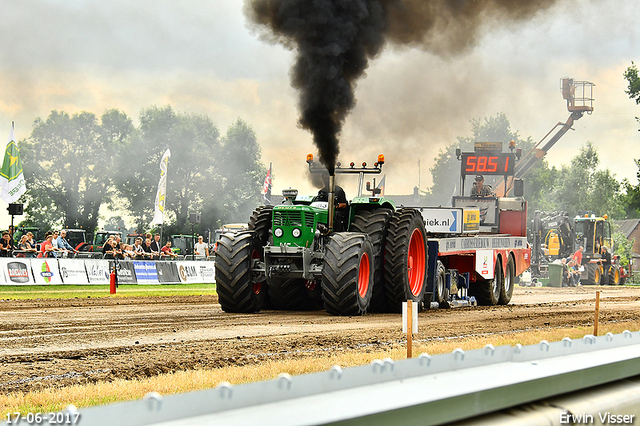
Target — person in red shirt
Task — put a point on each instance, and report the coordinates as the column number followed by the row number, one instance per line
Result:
column 166, row 250
column 577, row 256
column 46, row 248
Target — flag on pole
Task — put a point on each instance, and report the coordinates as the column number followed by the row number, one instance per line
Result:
column 12, row 184
column 380, row 186
column 266, row 188
column 158, row 214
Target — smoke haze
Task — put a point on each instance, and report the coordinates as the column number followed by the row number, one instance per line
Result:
column 335, row 40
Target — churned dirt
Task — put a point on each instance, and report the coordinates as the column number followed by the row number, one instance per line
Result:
column 45, row 343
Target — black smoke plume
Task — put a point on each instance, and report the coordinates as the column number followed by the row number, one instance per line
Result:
column 335, row 39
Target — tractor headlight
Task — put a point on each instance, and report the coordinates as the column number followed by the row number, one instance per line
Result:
column 296, row 233
column 278, row 232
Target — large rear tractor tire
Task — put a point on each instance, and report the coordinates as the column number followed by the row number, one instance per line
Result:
column 238, row 289
column 347, row 274
column 405, row 259
column 592, row 274
column 374, row 223
column 614, row 275
column 294, row 294
column 506, row 291
column 441, row 292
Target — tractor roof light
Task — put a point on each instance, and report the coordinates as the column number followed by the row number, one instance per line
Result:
column 605, row 217
column 352, row 164
column 364, row 164
column 512, row 145
column 309, row 158
column 381, row 159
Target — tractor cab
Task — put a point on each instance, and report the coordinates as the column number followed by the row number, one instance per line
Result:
column 500, row 212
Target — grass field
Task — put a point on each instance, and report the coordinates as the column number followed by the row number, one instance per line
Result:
column 15, row 292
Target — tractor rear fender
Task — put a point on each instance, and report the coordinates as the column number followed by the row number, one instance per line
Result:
column 369, row 203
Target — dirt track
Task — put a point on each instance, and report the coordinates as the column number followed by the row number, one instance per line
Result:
column 47, row 343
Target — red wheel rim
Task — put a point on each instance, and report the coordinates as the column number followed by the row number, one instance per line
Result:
column 257, row 287
column 363, row 275
column 416, row 262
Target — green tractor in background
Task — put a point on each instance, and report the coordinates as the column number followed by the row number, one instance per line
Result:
column 305, row 253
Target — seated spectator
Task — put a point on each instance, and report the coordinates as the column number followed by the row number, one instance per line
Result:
column 137, row 247
column 6, row 247
column 155, row 244
column 63, row 244
column 24, row 248
column 148, row 252
column 46, row 248
column 166, row 250
column 32, row 242
column 128, row 252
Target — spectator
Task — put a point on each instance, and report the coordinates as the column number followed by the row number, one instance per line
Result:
column 63, row 244
column 107, row 249
column 201, row 249
column 155, row 244
column 606, row 265
column 137, row 247
column 32, row 242
column 54, row 242
column 46, row 248
column 23, row 247
column 166, row 250
column 577, row 256
column 128, row 252
column 6, row 247
column 480, row 189
column 147, row 249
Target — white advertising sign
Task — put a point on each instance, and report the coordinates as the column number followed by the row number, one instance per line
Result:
column 97, row 271
column 442, row 221
column 188, row 271
column 45, row 271
column 17, row 271
column 73, row 271
column 484, row 263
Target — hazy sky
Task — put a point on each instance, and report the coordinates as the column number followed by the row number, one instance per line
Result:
column 203, row 57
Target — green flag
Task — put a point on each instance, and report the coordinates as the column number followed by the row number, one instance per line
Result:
column 12, row 184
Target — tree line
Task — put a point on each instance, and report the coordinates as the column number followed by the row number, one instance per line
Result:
column 75, row 164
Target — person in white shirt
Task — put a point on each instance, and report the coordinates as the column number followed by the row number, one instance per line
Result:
column 201, row 249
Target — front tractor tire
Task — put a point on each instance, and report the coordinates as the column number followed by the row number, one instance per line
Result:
column 347, row 274
column 238, row 289
column 260, row 222
column 405, row 267
column 592, row 274
column 374, row 223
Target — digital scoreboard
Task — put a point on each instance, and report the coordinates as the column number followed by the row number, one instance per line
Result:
column 478, row 163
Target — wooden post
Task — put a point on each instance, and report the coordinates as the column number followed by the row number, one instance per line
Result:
column 595, row 323
column 409, row 328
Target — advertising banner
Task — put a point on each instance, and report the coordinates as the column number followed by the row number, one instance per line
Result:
column 17, row 271
column 45, row 271
column 97, row 271
column 146, row 272
column 188, row 271
column 167, row 273
column 124, row 271
column 72, row 271
column 206, row 272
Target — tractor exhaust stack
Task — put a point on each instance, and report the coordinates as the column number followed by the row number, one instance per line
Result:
column 331, row 199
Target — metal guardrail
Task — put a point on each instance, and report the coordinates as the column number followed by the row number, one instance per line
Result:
column 425, row 390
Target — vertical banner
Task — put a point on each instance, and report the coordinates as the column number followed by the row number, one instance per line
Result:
column 266, row 187
column 45, row 271
column 158, row 213
column 12, row 184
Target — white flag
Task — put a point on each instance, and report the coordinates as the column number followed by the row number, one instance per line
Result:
column 158, row 214
column 12, row 184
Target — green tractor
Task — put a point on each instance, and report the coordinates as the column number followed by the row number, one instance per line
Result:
column 307, row 253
